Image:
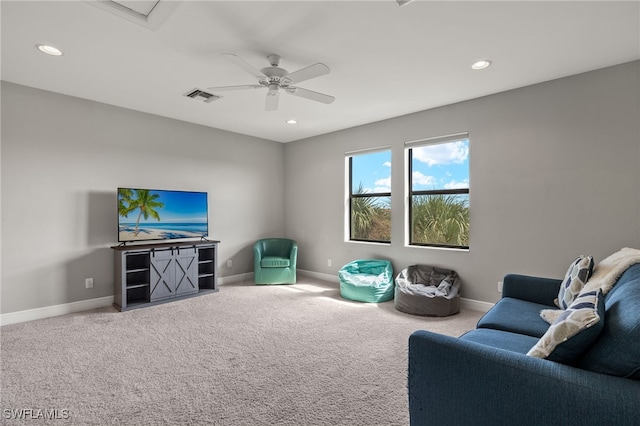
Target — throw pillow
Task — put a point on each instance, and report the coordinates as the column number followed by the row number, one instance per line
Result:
column 574, row 280
column 573, row 331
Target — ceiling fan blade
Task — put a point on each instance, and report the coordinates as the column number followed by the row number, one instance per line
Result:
column 272, row 101
column 241, row 87
column 244, row 65
column 312, row 71
column 310, row 94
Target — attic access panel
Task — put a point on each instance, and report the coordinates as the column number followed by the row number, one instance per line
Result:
column 142, row 7
column 150, row 14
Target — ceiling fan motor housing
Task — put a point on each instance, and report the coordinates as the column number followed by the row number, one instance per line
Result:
column 275, row 78
column 274, row 72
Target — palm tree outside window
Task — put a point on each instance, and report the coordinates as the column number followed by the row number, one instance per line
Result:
column 438, row 179
column 369, row 196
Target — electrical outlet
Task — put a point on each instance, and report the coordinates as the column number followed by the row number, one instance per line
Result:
column 229, row 263
column 88, row 282
column 499, row 286
column 328, row 262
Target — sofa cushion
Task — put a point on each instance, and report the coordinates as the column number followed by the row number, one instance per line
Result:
column 513, row 342
column 516, row 316
column 617, row 350
column 576, row 277
column 274, row 262
column 573, row 331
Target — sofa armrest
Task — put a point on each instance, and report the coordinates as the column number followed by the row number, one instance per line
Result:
column 532, row 289
column 456, row 382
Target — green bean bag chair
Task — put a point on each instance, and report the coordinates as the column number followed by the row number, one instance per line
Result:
column 367, row 280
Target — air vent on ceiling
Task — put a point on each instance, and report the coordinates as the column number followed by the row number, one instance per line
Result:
column 201, row 95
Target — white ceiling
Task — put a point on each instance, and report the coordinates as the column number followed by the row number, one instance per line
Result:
column 385, row 60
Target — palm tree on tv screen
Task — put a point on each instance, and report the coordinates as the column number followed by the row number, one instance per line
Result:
column 125, row 195
column 144, row 200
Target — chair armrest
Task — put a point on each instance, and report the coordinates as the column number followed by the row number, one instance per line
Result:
column 456, row 382
column 293, row 255
column 257, row 252
column 532, row 289
column 257, row 256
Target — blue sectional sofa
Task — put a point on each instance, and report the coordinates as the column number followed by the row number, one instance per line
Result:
column 485, row 377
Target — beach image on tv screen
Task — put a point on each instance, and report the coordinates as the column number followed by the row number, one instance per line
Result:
column 146, row 214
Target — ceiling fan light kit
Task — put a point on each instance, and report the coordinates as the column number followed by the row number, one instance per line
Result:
column 275, row 78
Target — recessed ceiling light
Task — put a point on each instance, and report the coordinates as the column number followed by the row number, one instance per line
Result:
column 481, row 64
column 292, row 121
column 49, row 50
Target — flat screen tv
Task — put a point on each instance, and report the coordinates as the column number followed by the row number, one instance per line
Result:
column 153, row 214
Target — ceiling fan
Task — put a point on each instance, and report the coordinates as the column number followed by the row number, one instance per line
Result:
column 278, row 80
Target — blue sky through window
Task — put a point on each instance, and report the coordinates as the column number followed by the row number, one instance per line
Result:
column 373, row 171
column 441, row 166
column 437, row 166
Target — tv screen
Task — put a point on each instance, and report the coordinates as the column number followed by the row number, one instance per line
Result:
column 152, row 214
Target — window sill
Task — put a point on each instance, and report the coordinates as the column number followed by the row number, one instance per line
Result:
column 463, row 250
column 375, row 243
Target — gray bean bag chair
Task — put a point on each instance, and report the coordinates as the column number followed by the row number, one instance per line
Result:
column 427, row 290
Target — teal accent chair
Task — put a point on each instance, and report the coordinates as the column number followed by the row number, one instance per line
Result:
column 274, row 261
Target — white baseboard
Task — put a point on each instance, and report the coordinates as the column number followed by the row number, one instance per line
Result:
column 55, row 310
column 474, row 305
column 86, row 305
column 235, row 278
column 319, row 275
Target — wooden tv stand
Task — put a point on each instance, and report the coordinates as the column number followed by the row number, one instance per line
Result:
column 150, row 274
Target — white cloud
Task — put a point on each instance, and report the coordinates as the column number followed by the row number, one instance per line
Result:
column 387, row 164
column 422, row 179
column 383, row 185
column 444, row 153
column 457, row 185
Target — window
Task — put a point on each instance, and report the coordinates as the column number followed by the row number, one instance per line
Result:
column 438, row 204
column 369, row 196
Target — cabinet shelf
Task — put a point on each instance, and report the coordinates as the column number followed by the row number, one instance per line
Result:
column 132, row 286
column 131, row 271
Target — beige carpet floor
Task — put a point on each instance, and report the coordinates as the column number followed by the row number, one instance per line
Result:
column 247, row 355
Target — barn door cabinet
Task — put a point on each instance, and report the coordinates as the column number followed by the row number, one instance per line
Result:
column 147, row 275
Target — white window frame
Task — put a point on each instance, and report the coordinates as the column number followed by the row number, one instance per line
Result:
column 409, row 193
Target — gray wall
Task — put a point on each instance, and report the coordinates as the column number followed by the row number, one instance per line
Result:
column 64, row 157
column 554, row 173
